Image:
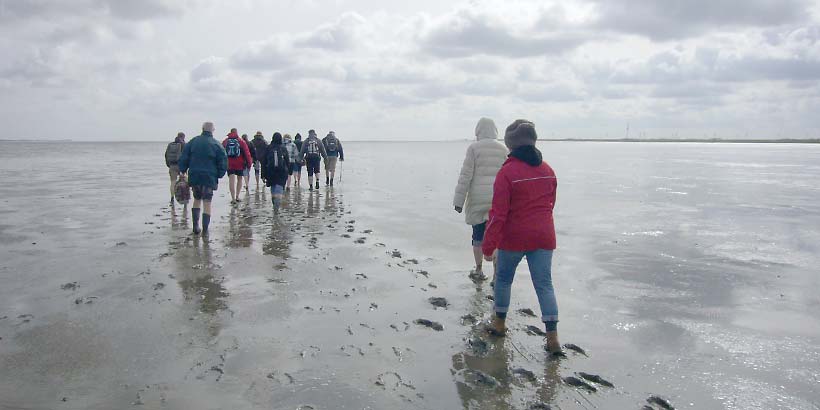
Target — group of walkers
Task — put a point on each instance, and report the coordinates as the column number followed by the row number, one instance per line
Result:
column 507, row 193
column 201, row 162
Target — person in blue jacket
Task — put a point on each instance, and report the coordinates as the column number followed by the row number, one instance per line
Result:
column 205, row 161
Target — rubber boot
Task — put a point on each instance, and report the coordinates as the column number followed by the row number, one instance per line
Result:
column 206, row 220
column 317, row 183
column 195, row 217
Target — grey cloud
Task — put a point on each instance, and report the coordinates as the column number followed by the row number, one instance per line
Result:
column 549, row 93
column 772, row 69
column 21, row 10
column 668, row 20
column 467, row 33
column 338, row 36
column 269, row 55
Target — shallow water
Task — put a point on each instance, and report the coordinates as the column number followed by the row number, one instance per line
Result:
column 686, row 271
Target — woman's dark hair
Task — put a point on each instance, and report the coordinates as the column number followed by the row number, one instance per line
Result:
column 277, row 138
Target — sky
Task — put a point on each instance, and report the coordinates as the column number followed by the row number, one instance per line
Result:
column 422, row 70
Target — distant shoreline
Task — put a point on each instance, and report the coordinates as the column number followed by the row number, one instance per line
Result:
column 654, row 140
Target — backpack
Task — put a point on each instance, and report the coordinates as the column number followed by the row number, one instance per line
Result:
column 275, row 161
column 172, row 153
column 232, row 148
column 332, row 144
column 312, row 147
column 182, row 191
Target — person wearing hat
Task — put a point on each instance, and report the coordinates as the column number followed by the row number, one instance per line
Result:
column 474, row 191
column 261, row 146
column 205, row 161
column 172, row 153
column 521, row 225
column 335, row 152
column 313, row 151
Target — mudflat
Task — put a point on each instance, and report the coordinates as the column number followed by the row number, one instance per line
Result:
column 686, row 276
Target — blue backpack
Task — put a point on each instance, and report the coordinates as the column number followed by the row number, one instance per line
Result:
column 233, row 149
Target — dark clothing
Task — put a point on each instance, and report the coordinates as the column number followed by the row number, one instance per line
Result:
column 261, row 147
column 312, row 163
column 339, row 152
column 252, row 149
column 528, row 154
column 204, row 160
column 278, row 176
column 204, row 193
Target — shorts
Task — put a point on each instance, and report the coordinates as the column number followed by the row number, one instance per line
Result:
column 330, row 164
column 478, row 233
column 296, row 168
column 277, row 189
column 173, row 172
column 238, row 172
column 312, row 165
column 203, row 192
column 256, row 166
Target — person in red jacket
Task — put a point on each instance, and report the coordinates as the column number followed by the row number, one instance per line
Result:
column 520, row 224
column 239, row 158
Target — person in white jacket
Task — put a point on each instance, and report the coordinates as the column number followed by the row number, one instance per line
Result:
column 475, row 185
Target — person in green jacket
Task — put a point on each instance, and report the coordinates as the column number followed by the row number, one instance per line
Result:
column 205, row 161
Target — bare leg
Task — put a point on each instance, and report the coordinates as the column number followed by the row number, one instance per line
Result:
column 248, row 181
column 238, row 187
column 479, row 258
column 232, row 185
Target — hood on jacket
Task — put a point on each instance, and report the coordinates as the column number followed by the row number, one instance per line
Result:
column 276, row 139
column 485, row 129
column 233, row 135
column 529, row 154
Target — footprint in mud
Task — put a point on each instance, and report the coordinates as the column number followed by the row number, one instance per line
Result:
column 660, row 402
column 158, row 286
column 25, row 318
column 413, row 261
column 367, row 231
column 527, row 312
column 576, row 382
column 535, row 331
column 395, row 253
column 423, row 273
column 347, row 348
column 429, row 323
column 439, row 302
column 575, row 348
column 344, row 235
column 468, row 320
column 478, row 378
column 70, row 286
column 478, row 345
column 85, row 300
column 361, row 276
column 539, row 406
column 396, row 327
column 432, row 285
column 380, row 245
column 594, row 378
column 524, row 374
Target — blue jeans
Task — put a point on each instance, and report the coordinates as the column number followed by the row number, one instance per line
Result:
column 540, row 264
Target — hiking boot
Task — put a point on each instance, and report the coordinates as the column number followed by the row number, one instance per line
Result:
column 553, row 345
column 497, row 327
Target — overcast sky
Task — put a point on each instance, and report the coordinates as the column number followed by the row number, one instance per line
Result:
column 420, row 70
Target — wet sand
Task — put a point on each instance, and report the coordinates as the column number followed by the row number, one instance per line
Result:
column 674, row 274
